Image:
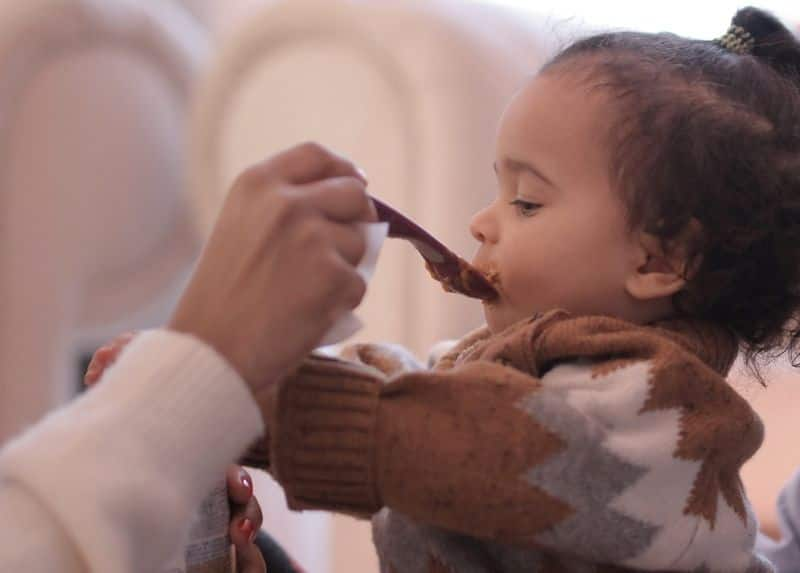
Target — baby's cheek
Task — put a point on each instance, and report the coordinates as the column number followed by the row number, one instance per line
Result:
column 519, row 284
column 530, row 292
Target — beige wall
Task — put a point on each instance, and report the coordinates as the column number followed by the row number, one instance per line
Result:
column 779, row 406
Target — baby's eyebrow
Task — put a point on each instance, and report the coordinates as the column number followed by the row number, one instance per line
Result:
column 516, row 165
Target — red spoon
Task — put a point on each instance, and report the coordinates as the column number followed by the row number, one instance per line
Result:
column 454, row 273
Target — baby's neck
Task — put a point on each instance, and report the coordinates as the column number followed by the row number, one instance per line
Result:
column 648, row 312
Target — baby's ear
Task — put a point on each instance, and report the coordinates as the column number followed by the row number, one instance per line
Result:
column 661, row 272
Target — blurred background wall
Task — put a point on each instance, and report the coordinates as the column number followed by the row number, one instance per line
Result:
column 124, row 121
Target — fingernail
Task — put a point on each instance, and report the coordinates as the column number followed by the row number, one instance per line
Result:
column 363, row 174
column 246, row 481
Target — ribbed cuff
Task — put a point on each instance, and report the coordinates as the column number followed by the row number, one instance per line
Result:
column 123, row 467
column 204, row 407
column 324, row 445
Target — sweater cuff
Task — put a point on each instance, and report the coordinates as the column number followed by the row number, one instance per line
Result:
column 324, row 435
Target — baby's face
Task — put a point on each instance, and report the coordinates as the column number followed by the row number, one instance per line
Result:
column 556, row 234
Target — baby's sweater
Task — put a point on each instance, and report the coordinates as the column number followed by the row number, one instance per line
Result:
column 561, row 444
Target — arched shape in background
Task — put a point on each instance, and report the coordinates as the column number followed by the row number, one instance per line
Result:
column 94, row 238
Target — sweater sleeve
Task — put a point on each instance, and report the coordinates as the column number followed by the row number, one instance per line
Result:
column 31, row 541
column 611, row 444
column 119, row 471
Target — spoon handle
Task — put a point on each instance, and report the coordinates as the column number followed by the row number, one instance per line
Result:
column 453, row 272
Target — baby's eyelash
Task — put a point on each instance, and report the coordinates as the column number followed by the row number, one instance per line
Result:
column 525, row 208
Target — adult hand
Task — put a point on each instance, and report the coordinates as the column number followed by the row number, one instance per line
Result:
column 279, row 267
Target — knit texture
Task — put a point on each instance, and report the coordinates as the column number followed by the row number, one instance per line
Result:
column 122, row 467
column 566, row 444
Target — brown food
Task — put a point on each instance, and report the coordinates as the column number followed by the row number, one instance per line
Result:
column 445, row 281
column 493, row 276
column 465, row 282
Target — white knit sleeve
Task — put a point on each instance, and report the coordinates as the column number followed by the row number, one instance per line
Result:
column 32, row 540
column 120, row 470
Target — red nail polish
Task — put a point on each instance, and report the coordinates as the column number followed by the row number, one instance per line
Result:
column 246, row 483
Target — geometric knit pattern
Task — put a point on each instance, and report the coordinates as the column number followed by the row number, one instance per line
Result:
column 592, row 481
column 569, row 445
column 611, row 404
column 584, row 410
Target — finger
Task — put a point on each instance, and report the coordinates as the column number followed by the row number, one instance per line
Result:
column 110, row 352
column 245, row 523
column 92, row 374
column 123, row 340
column 348, row 240
column 105, row 356
column 351, row 289
column 249, row 559
column 307, row 163
column 372, row 213
column 97, row 365
column 342, row 199
column 345, row 285
column 240, row 485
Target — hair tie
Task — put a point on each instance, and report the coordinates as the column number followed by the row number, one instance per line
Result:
column 737, row 40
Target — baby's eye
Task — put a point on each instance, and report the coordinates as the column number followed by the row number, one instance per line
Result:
column 525, row 208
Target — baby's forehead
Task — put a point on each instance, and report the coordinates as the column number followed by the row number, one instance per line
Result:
column 562, row 128
column 557, row 108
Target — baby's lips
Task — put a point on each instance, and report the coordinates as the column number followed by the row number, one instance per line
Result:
column 492, row 276
column 489, row 272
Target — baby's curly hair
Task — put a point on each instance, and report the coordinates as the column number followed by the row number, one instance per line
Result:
column 705, row 135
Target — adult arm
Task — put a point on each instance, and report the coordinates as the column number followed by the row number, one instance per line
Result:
column 116, row 475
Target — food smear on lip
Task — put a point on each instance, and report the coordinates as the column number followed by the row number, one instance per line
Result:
column 493, row 276
column 468, row 281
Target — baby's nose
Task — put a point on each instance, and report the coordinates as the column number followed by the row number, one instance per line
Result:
column 481, row 226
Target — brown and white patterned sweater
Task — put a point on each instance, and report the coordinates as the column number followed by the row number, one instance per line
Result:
column 562, row 444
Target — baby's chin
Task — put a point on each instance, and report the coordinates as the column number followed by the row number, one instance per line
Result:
column 496, row 319
column 499, row 317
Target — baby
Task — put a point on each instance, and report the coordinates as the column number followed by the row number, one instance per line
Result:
column 646, row 228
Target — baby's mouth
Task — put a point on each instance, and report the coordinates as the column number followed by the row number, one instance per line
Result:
column 493, row 276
